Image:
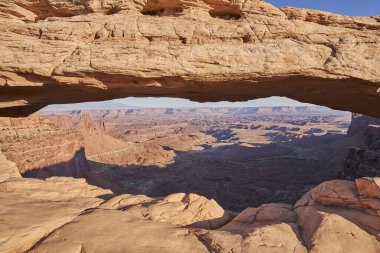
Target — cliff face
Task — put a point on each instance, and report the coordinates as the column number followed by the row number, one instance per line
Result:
column 43, row 146
column 372, row 137
column 72, row 163
column 70, row 51
column 364, row 158
column 359, row 124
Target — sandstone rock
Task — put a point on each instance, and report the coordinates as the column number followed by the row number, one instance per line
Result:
column 109, row 150
column 276, row 238
column 32, row 209
column 86, row 125
column 329, row 231
column 268, row 228
column 8, row 169
column 330, row 218
column 117, row 231
column 359, row 195
column 25, row 220
column 265, row 214
column 44, row 146
column 334, row 193
column 69, row 51
column 177, row 209
column 347, row 210
column 125, row 200
column 368, row 187
column 53, row 188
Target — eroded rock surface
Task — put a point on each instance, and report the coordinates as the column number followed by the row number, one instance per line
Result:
column 68, row 215
column 31, row 208
column 65, row 51
column 8, row 169
column 177, row 209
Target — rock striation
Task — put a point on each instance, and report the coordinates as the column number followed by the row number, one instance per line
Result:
column 65, row 51
column 44, row 146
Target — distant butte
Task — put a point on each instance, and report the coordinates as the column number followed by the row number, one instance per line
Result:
column 62, row 51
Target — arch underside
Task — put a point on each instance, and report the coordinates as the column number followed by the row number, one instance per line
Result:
column 348, row 94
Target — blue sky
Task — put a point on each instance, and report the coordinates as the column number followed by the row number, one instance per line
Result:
column 150, row 102
column 177, row 102
column 346, row 7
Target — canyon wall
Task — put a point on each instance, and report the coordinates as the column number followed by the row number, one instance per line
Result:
column 359, row 123
column 44, row 146
column 364, row 159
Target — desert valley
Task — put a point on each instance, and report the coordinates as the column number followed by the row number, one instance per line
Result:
column 228, row 154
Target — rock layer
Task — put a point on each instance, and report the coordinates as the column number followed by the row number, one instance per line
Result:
column 70, row 51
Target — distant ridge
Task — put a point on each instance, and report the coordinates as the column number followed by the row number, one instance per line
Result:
column 125, row 109
column 106, row 105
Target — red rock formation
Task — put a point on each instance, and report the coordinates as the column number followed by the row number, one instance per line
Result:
column 203, row 50
column 86, row 125
column 102, row 126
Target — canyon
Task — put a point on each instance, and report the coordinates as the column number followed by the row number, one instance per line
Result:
column 297, row 179
column 73, row 200
column 218, row 153
column 188, row 179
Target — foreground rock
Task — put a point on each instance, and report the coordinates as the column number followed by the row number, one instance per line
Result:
column 31, row 209
column 177, row 209
column 341, row 216
column 70, row 51
column 67, row 215
column 117, row 231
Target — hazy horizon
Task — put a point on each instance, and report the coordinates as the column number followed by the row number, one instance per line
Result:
column 153, row 102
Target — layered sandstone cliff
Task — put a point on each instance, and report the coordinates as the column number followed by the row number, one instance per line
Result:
column 68, row 51
column 44, row 146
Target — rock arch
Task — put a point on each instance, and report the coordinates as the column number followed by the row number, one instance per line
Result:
column 103, row 49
